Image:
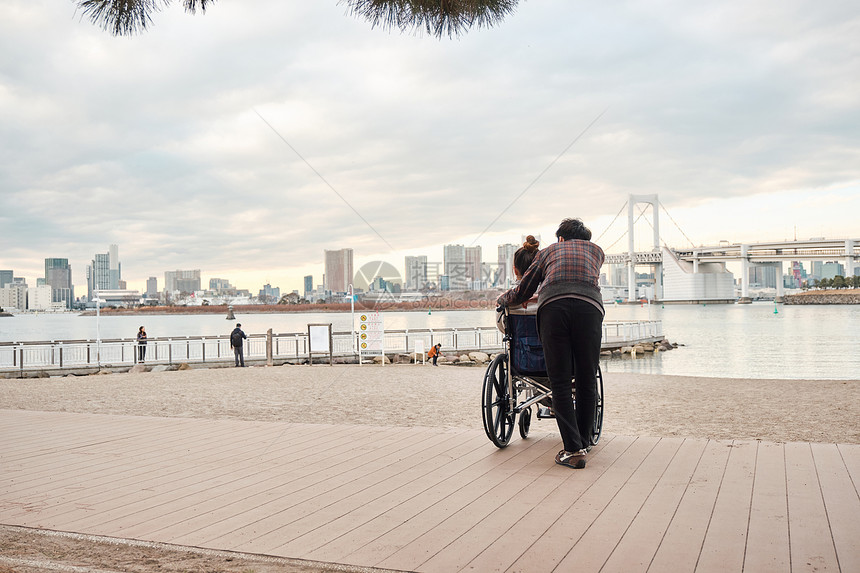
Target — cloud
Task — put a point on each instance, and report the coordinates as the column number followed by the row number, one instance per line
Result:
column 154, row 142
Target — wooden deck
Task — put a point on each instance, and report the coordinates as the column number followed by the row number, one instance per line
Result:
column 425, row 499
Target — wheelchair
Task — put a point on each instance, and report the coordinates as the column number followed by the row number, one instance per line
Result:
column 516, row 380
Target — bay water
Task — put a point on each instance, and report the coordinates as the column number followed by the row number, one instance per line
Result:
column 759, row 340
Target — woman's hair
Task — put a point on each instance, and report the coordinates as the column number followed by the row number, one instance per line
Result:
column 570, row 229
column 139, row 329
column 524, row 256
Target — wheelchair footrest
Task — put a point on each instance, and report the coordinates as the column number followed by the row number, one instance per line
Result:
column 544, row 413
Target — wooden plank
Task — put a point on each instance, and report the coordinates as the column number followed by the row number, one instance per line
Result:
column 363, row 527
column 725, row 542
column 139, row 505
column 563, row 534
column 842, row 503
column 447, row 497
column 767, row 546
column 266, row 510
column 117, row 483
column 812, row 546
column 502, row 552
column 605, row 533
column 637, row 547
column 473, row 502
column 319, row 539
column 681, row 545
column 336, row 494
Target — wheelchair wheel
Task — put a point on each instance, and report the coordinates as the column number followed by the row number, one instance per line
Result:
column 497, row 405
column 525, row 422
column 598, row 410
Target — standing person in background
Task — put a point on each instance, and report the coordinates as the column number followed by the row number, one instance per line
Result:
column 570, row 318
column 141, row 344
column 236, row 340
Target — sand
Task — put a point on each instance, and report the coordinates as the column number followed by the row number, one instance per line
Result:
column 449, row 396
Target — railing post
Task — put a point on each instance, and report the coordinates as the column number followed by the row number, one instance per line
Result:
column 169, row 351
column 269, row 360
column 188, row 348
column 61, row 354
column 454, row 339
column 203, row 348
column 478, row 337
column 406, row 334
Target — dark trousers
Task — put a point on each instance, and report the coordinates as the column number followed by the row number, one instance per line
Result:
column 141, row 352
column 239, row 356
column 570, row 332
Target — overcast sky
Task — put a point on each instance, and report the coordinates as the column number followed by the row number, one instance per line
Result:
column 744, row 117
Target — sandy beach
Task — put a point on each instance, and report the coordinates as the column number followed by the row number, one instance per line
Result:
column 418, row 395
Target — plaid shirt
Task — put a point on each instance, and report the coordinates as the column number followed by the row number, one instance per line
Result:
column 569, row 267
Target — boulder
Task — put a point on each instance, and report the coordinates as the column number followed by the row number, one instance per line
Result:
column 381, row 360
column 638, row 349
column 464, row 358
column 184, row 366
column 626, row 349
column 160, row 368
column 137, row 369
column 479, row 357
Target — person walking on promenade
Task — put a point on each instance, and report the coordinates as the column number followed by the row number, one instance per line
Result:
column 141, row 344
column 434, row 352
column 570, row 319
column 236, row 341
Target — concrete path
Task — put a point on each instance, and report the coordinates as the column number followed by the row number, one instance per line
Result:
column 432, row 499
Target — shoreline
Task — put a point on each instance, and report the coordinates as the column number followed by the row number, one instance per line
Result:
column 780, row 410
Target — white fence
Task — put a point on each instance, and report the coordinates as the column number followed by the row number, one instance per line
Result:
column 70, row 354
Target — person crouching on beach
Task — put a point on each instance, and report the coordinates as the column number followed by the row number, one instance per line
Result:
column 434, row 352
column 570, row 319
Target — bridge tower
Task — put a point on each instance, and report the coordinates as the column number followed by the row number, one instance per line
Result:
column 631, row 262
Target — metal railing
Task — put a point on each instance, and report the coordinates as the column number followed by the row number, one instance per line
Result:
column 71, row 354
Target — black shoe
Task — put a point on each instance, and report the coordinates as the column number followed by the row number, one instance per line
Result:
column 575, row 460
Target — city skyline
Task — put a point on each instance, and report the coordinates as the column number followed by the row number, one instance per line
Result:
column 744, row 118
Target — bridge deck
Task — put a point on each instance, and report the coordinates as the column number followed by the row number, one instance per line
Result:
column 425, row 499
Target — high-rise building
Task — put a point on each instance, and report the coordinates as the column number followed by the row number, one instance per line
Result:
column 763, row 276
column 182, row 281
column 40, row 297
column 98, row 274
column 506, row 265
column 58, row 275
column 220, row 285
column 454, row 260
column 114, row 269
column 338, row 270
column 309, row 287
column 151, row 287
column 14, row 295
column 6, row 278
column 474, row 265
column 269, row 294
column 416, row 272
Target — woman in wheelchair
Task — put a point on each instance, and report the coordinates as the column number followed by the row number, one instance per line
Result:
column 569, row 322
column 523, row 258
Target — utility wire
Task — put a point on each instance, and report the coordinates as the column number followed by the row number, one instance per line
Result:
column 541, row 174
column 318, row 174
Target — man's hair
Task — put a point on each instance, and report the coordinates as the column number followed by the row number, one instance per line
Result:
column 570, row 229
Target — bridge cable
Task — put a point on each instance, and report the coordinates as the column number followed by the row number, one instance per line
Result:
column 665, row 210
column 612, row 223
